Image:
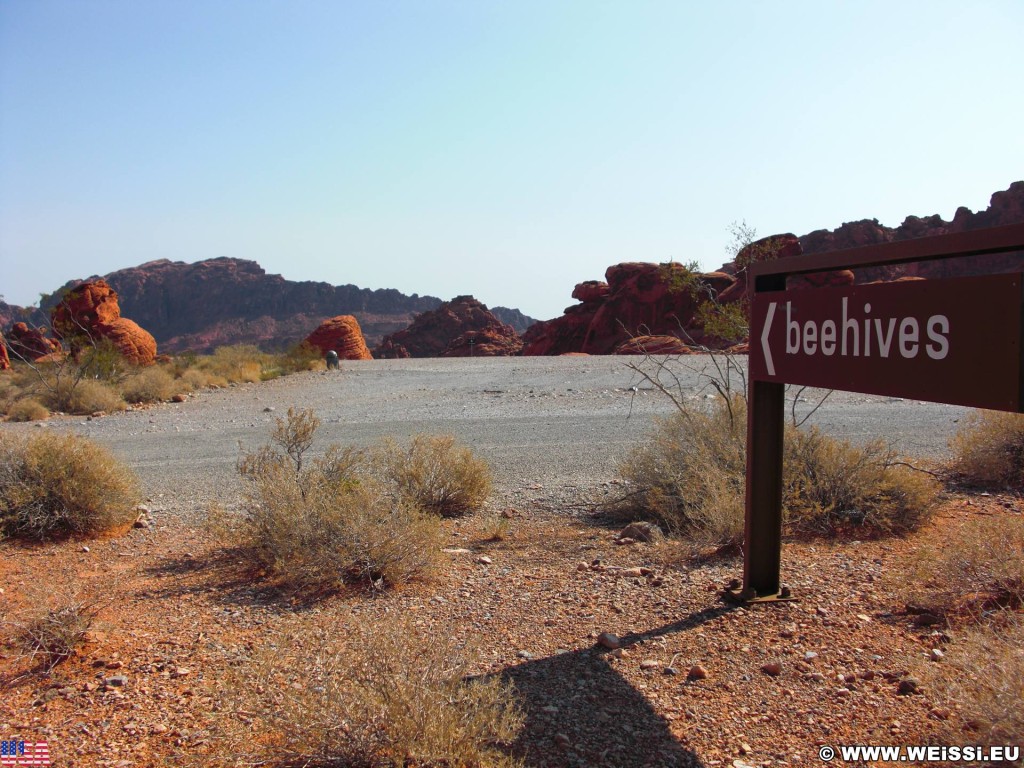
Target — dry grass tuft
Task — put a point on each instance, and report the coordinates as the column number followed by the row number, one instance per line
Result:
column 151, row 385
column 436, row 474
column 27, row 409
column 981, row 572
column 984, row 673
column 989, row 449
column 61, row 484
column 54, row 636
column 690, row 474
column 370, row 696
column 237, row 363
column 83, row 396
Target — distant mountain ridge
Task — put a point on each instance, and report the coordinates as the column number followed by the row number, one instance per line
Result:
column 224, row 300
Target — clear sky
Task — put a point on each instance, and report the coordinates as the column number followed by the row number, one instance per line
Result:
column 503, row 149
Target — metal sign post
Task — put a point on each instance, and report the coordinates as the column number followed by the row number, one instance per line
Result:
column 954, row 340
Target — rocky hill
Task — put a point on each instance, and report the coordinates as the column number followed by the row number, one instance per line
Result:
column 223, row 301
column 230, row 301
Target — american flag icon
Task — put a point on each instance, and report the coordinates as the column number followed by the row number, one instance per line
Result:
column 23, row 753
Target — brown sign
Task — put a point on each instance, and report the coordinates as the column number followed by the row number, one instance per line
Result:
column 950, row 341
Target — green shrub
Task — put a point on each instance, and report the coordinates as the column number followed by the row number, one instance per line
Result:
column 690, row 476
column 54, row 484
column 153, row 384
column 324, row 523
column 989, row 449
column 436, row 474
column 377, row 694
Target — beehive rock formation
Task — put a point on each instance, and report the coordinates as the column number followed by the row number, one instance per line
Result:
column 90, row 312
column 343, row 335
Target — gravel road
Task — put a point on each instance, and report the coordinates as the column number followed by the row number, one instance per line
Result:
column 550, row 427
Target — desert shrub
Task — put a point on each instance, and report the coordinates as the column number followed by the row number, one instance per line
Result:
column 196, row 378
column 690, row 476
column 323, row 523
column 55, row 635
column 54, row 484
column 235, row 363
column 374, row 695
column 436, row 474
column 831, row 485
column 983, row 673
column 70, row 395
column 989, row 449
column 27, row 409
column 983, row 572
column 100, row 359
column 301, row 357
column 150, row 385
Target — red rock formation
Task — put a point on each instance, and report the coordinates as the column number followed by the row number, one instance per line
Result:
column 343, row 335
column 90, row 312
column 5, row 360
column 654, row 345
column 494, row 341
column 27, row 343
column 641, row 299
column 446, row 330
column 133, row 341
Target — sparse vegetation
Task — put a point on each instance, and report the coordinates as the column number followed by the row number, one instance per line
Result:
column 151, row 385
column 380, row 695
column 989, row 449
column 690, row 476
column 983, row 573
column 437, row 474
column 984, row 673
column 27, row 409
column 236, row 363
column 54, row 636
column 53, row 485
column 327, row 522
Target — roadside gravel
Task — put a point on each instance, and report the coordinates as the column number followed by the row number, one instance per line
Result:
column 553, row 429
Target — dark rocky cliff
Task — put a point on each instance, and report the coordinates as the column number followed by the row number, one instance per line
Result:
column 229, row 301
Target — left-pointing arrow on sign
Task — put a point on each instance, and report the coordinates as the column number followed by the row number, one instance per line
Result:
column 768, row 362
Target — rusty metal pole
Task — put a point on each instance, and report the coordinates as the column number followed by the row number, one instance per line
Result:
column 762, row 556
column 766, row 415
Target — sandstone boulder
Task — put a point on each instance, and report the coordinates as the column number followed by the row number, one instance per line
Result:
column 343, row 335
column 495, row 341
column 448, row 330
column 89, row 312
column 654, row 345
column 27, row 343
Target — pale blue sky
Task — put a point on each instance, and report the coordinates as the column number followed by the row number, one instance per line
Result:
column 504, row 149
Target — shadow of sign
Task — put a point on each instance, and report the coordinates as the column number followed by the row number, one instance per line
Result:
column 581, row 712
